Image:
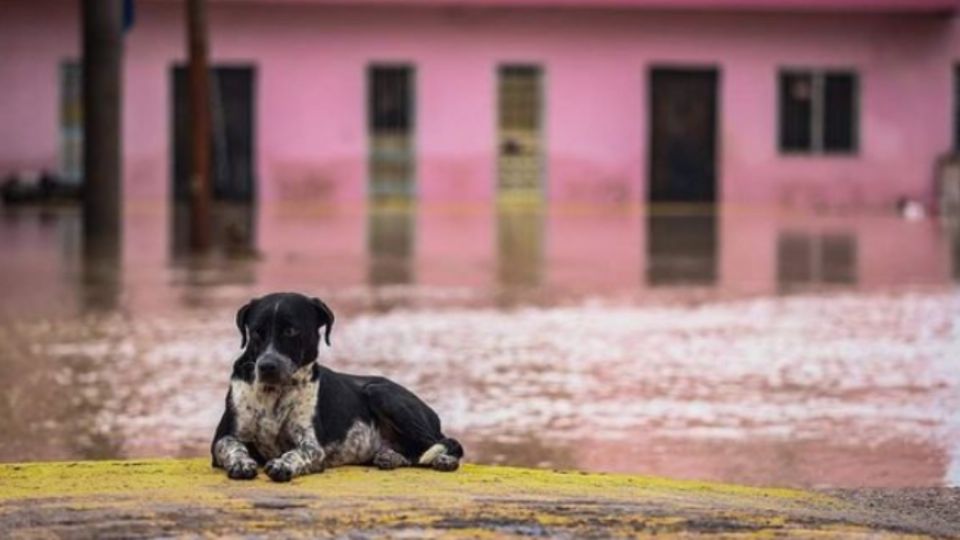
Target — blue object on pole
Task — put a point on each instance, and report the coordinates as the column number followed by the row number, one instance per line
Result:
column 129, row 17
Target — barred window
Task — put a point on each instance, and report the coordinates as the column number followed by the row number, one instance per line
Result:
column 391, row 89
column 818, row 111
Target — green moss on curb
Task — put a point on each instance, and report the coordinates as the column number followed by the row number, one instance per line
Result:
column 195, row 478
column 188, row 496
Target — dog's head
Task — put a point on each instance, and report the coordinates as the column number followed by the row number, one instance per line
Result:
column 280, row 334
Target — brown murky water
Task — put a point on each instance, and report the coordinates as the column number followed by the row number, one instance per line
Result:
column 742, row 346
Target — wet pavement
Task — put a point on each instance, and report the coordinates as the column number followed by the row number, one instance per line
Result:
column 745, row 345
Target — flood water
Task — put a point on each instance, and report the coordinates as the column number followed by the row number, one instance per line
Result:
column 743, row 345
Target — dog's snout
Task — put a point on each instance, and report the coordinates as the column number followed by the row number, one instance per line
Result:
column 269, row 367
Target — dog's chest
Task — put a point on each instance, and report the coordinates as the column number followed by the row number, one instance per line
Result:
column 268, row 420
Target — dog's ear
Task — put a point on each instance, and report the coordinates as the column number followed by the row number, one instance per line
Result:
column 242, row 321
column 326, row 317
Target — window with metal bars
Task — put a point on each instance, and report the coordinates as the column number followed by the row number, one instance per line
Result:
column 818, row 112
column 520, row 160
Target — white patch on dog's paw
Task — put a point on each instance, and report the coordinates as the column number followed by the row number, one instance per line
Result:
column 431, row 454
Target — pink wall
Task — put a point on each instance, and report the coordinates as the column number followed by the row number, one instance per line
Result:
column 766, row 5
column 310, row 60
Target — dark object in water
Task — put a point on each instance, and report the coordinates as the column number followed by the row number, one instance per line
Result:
column 44, row 188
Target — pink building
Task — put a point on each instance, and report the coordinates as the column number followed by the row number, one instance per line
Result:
column 837, row 103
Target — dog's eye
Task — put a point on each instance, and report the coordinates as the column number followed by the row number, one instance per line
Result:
column 290, row 332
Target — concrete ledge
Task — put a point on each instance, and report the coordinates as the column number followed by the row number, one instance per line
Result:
column 187, row 497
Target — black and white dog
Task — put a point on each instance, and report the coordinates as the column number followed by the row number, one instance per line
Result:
column 293, row 416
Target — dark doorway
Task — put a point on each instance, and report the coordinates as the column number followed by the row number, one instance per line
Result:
column 232, row 164
column 683, row 126
column 391, row 121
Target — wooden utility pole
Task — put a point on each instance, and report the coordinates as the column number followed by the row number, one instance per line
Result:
column 198, row 113
column 102, row 56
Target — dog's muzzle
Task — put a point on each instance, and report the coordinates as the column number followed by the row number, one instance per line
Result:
column 273, row 369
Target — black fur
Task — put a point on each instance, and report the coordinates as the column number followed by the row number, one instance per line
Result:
column 281, row 331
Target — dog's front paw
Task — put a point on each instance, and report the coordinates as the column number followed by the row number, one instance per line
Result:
column 243, row 470
column 278, row 470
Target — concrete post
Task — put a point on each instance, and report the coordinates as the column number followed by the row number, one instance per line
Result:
column 199, row 116
column 102, row 57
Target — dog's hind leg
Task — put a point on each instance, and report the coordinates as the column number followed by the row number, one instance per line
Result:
column 387, row 459
column 417, row 427
column 442, row 456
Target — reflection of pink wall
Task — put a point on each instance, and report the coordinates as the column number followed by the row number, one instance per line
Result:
column 584, row 255
column 595, row 252
column 310, row 59
column 889, row 250
column 455, row 249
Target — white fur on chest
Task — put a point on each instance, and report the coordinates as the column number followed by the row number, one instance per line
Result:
column 267, row 420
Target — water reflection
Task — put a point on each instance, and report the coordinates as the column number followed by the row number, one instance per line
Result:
column 682, row 249
column 813, row 260
column 955, row 252
column 848, row 380
column 391, row 240
column 232, row 223
column 54, row 397
column 42, row 255
column 100, row 282
column 520, row 247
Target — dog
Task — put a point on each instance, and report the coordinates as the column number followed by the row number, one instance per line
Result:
column 287, row 413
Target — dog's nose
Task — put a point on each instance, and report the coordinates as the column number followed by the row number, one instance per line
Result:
column 268, row 368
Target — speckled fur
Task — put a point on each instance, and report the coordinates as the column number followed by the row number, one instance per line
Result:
column 234, row 457
column 388, row 459
column 275, row 420
column 361, row 444
column 278, row 423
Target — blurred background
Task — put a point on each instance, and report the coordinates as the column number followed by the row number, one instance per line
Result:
column 708, row 239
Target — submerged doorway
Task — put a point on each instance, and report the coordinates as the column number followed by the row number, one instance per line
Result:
column 232, row 157
column 683, row 127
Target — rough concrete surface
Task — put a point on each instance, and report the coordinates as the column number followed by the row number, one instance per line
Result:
column 130, row 499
